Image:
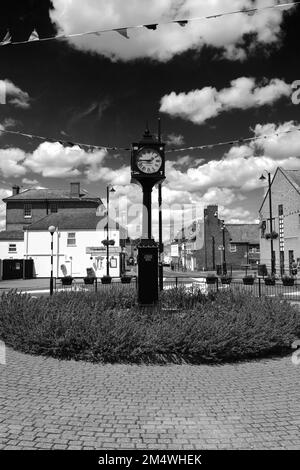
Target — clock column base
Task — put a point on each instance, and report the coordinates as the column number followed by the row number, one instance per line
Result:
column 147, row 272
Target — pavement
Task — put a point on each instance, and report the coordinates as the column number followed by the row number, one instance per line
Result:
column 52, row 404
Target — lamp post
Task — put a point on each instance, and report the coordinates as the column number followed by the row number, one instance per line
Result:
column 109, row 189
column 223, row 242
column 51, row 229
column 263, row 178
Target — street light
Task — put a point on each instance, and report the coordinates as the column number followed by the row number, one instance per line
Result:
column 109, row 189
column 263, row 178
column 51, row 229
column 224, row 254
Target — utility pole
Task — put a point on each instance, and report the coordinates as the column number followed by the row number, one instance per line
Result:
column 160, row 241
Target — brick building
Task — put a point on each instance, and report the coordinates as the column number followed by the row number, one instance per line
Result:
column 200, row 246
column 285, row 192
column 29, row 206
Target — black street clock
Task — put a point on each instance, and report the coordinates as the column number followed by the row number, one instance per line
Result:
column 148, row 160
column 148, row 169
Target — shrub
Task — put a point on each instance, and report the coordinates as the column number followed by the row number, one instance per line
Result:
column 109, row 327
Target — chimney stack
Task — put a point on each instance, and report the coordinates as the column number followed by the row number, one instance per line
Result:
column 75, row 189
column 15, row 190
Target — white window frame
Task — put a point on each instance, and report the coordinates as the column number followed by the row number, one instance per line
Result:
column 27, row 208
column 10, row 250
column 71, row 237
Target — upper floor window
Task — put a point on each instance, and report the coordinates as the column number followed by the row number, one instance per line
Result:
column 280, row 209
column 12, row 248
column 71, row 241
column 27, row 211
column 53, row 207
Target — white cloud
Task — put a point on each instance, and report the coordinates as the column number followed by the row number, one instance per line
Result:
column 3, row 194
column 11, row 162
column 54, row 160
column 175, row 140
column 30, row 182
column 14, row 95
column 226, row 33
column 198, row 106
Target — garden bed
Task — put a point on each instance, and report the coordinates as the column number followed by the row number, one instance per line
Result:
column 110, row 327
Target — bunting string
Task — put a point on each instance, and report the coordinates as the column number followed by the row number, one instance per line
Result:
column 242, row 140
column 124, row 30
column 107, row 148
column 62, row 142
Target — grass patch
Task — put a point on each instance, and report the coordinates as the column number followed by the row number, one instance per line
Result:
column 109, row 327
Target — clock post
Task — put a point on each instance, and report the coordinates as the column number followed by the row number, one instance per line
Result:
column 148, row 169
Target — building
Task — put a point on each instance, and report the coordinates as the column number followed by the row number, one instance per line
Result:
column 285, row 196
column 81, row 229
column 202, row 247
column 77, row 245
column 29, row 206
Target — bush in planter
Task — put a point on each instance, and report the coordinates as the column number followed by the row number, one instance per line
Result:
column 67, row 280
column 125, row 279
column 106, row 279
column 270, row 281
column 89, row 280
column 271, row 236
column 248, row 280
column 211, row 279
column 226, row 279
column 288, row 281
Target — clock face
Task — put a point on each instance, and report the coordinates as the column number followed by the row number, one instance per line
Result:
column 149, row 161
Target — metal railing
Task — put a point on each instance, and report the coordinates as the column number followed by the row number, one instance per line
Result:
column 259, row 286
column 79, row 284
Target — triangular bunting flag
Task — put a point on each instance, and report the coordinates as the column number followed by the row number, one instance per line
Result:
column 7, row 39
column 123, row 32
column 182, row 23
column 151, row 26
column 34, row 36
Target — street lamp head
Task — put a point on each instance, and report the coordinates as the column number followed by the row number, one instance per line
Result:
column 51, row 229
column 112, row 190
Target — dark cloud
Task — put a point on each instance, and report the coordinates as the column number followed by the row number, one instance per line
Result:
column 19, row 18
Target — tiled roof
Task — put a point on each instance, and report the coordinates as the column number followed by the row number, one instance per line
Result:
column 294, row 177
column 86, row 221
column 50, row 194
column 11, row 235
column 244, row 233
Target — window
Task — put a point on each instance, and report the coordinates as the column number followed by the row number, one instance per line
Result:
column 71, row 241
column 53, row 207
column 232, row 248
column 27, row 211
column 254, row 250
column 12, row 248
column 280, row 209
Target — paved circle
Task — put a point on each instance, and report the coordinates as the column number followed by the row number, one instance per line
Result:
column 51, row 404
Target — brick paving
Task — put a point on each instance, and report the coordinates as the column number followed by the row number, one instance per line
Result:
column 51, row 404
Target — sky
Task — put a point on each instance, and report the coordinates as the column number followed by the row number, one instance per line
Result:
column 210, row 81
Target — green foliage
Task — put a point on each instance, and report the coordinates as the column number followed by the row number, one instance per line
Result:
column 110, row 327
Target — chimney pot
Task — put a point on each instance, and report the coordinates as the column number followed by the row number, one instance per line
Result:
column 15, row 190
